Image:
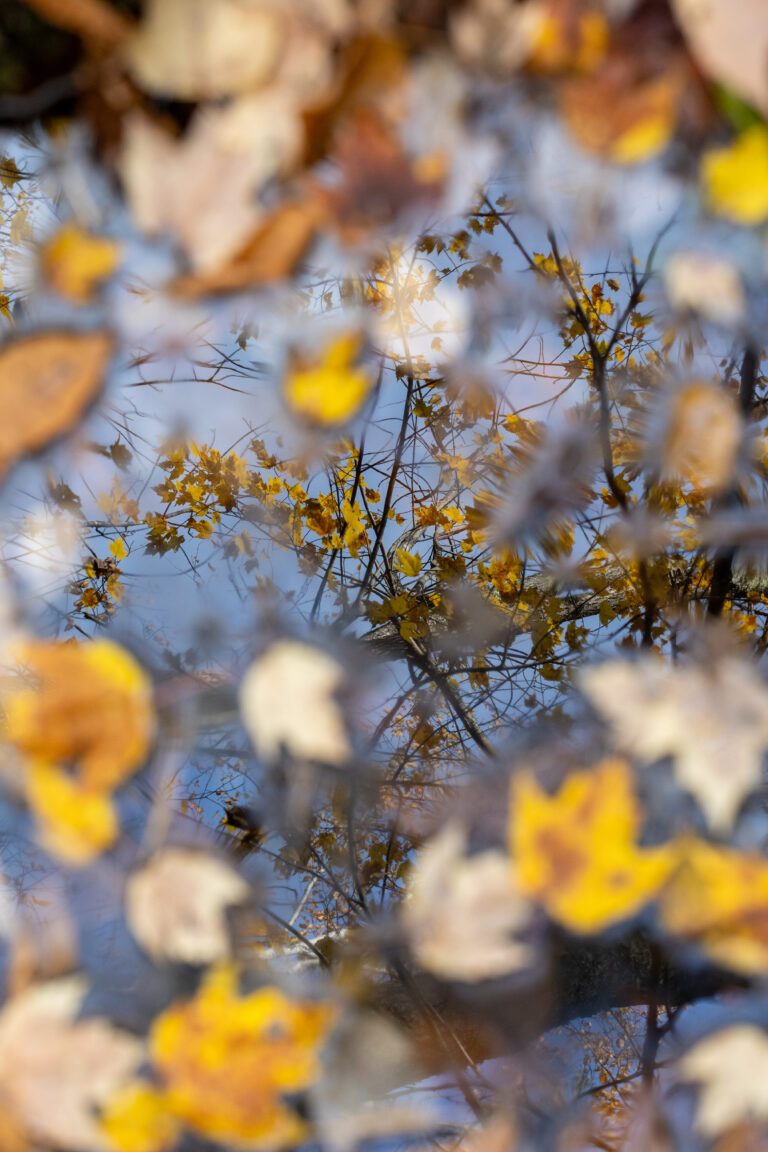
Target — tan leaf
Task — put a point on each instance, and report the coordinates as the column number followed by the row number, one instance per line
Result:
column 46, row 383
column 732, row 1067
column 713, row 721
column 203, row 187
column 270, row 254
column 287, row 701
column 729, row 39
column 463, row 912
column 56, row 1071
column 206, row 49
column 175, row 905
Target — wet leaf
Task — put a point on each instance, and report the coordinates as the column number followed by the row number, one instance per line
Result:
column 176, row 903
column 462, row 913
column 46, row 383
column 731, row 1066
column 76, row 262
column 735, row 178
column 332, row 389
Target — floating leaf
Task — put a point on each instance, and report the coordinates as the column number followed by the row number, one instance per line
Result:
column 712, row 720
column 295, row 680
column 735, row 178
column 730, row 43
column 719, row 900
column 56, row 1070
column 732, row 1067
column 176, row 905
column 409, row 563
column 462, row 913
column 46, row 383
column 576, row 852
column 705, row 285
column 332, row 389
column 76, row 262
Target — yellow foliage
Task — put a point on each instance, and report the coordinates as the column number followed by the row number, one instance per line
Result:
column 719, row 899
column 332, row 389
column 76, row 823
column 118, row 548
column 576, row 852
column 735, row 178
column 88, row 706
column 225, row 1060
column 409, row 563
column 75, row 262
column 137, row 1120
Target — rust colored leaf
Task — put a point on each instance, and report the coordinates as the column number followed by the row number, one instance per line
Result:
column 46, row 383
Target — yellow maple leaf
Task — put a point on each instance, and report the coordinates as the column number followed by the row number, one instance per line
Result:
column 84, row 705
column 409, row 563
column 118, row 548
column 332, row 389
column 75, row 823
column 576, row 852
column 719, row 899
column 75, row 262
column 225, row 1060
column 735, row 178
column 138, row 1119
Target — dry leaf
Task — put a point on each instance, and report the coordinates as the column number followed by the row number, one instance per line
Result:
column 175, row 906
column 203, row 187
column 206, row 49
column 729, row 40
column 463, row 912
column 287, row 701
column 56, row 1071
column 732, row 1067
column 272, row 253
column 706, row 285
column 713, row 721
column 46, row 383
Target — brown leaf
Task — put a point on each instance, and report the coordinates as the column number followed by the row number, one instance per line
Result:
column 46, row 383
column 272, row 252
column 94, row 20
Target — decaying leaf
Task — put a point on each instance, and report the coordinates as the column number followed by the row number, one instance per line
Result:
column 175, row 905
column 732, row 1068
column 46, row 383
column 463, row 912
column 56, row 1071
column 75, row 262
column 712, row 720
column 718, row 899
column 576, row 852
column 287, row 701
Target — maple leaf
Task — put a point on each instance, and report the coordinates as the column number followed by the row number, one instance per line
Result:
column 463, row 913
column 576, row 852
column 718, row 899
column 732, row 1067
column 330, row 390
column 290, row 680
column 735, row 178
column 713, row 721
column 75, row 262
column 409, row 563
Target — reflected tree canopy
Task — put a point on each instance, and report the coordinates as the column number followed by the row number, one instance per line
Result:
column 384, row 449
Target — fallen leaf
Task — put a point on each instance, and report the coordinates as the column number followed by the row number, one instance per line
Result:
column 138, row 1119
column 462, row 913
column 175, row 906
column 46, row 383
column 712, row 720
column 331, row 388
column 75, row 823
column 620, row 116
column 295, row 680
column 706, row 285
column 730, row 43
column 576, row 853
column 203, row 188
column 699, row 435
column 732, row 1068
column 56, row 1071
column 718, row 899
column 206, row 49
column 270, row 254
column 735, row 178
column 75, row 262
